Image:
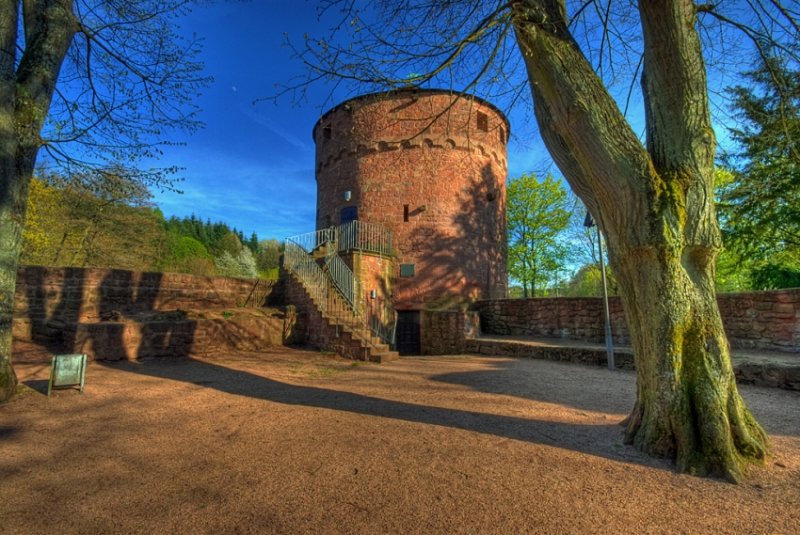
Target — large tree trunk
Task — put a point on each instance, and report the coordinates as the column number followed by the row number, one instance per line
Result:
column 687, row 404
column 655, row 205
column 26, row 90
column 13, row 197
column 9, row 230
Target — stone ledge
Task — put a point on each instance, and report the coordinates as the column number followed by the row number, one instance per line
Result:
column 168, row 334
column 760, row 373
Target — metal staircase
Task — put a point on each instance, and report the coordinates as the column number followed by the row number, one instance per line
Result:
column 313, row 260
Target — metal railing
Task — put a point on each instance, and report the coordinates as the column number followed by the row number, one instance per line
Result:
column 258, row 294
column 365, row 237
column 382, row 319
column 332, row 285
column 317, row 243
column 344, row 279
column 319, row 285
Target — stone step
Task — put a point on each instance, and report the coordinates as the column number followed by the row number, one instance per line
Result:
column 380, row 347
column 386, row 356
column 373, row 348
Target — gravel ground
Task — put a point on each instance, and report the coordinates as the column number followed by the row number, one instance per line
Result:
column 300, row 442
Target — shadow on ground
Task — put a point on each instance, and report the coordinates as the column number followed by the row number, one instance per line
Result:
column 555, row 384
column 40, row 385
column 601, row 440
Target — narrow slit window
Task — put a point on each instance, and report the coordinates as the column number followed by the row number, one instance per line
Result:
column 483, row 122
column 326, row 132
column 405, row 213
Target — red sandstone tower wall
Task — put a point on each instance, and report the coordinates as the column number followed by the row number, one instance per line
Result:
column 431, row 166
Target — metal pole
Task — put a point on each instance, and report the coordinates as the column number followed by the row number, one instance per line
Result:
column 609, row 341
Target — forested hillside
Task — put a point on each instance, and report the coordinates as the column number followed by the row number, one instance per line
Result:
column 69, row 225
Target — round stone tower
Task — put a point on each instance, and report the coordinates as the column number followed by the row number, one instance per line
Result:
column 430, row 166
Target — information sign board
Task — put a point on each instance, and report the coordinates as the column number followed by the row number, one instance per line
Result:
column 67, row 371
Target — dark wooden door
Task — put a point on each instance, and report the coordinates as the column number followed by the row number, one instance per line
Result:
column 407, row 336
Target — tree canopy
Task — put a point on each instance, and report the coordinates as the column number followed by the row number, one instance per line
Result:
column 71, row 226
column 537, row 212
column 759, row 207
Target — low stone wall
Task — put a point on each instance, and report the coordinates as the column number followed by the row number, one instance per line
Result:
column 447, row 332
column 754, row 320
column 77, row 294
column 176, row 334
column 117, row 314
column 762, row 320
column 760, row 372
column 623, row 357
column 572, row 318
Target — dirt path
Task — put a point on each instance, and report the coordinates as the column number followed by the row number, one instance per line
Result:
column 299, row 442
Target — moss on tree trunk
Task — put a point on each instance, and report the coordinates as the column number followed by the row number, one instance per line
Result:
column 688, row 406
column 10, row 238
column 12, row 215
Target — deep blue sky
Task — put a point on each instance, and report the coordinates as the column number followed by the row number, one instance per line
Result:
column 252, row 166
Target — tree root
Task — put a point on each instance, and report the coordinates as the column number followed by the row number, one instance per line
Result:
column 711, row 433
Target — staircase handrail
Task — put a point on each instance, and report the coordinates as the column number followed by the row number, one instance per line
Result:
column 297, row 260
column 336, row 282
column 364, row 236
column 344, row 279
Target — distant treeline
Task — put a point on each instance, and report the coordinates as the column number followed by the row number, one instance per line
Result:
column 212, row 235
column 115, row 226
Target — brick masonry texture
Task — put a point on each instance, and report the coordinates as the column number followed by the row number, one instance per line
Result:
column 78, row 294
column 117, row 314
column 431, row 166
column 755, row 320
column 447, row 332
column 320, row 331
column 374, row 272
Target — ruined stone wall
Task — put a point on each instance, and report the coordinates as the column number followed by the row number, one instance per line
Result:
column 754, row 320
column 574, row 318
column 430, row 166
column 89, row 294
column 120, row 315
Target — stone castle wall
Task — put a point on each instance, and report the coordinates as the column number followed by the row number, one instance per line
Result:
column 120, row 315
column 430, row 166
column 754, row 320
column 762, row 320
column 90, row 294
column 573, row 318
column 447, row 332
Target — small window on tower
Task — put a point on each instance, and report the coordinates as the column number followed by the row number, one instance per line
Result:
column 502, row 134
column 326, row 132
column 348, row 214
column 405, row 213
column 483, row 122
